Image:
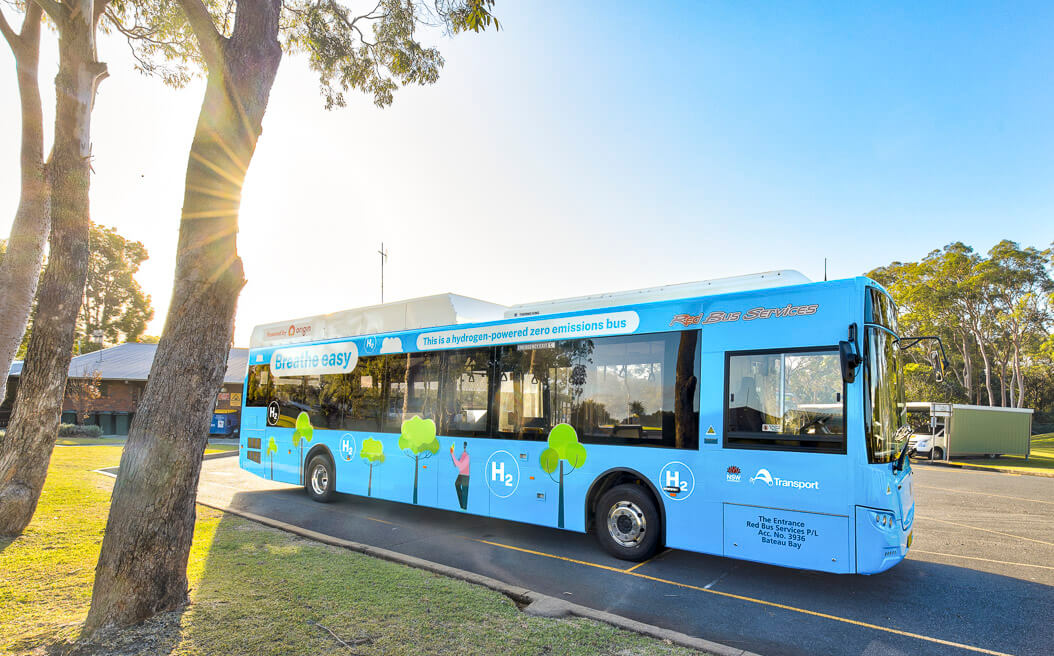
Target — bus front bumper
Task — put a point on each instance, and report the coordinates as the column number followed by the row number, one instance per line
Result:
column 882, row 539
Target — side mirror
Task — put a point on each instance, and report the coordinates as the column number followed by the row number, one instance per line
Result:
column 939, row 365
column 849, row 359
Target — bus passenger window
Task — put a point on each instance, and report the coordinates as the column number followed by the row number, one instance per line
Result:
column 790, row 400
column 630, row 390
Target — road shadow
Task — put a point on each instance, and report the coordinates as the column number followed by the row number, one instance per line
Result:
column 713, row 597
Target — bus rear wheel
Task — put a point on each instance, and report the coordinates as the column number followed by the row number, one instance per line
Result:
column 627, row 523
column 321, row 479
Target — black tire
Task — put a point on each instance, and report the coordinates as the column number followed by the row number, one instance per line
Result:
column 936, row 453
column 627, row 523
column 320, row 479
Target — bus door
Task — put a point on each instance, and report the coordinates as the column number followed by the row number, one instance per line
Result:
column 518, row 487
column 787, row 485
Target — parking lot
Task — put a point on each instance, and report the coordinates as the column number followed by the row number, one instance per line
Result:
column 979, row 579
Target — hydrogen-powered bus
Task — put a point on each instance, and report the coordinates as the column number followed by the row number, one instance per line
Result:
column 758, row 417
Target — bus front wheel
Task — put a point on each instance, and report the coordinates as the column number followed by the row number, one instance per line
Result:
column 321, row 479
column 627, row 523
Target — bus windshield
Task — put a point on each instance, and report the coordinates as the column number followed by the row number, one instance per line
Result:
column 886, row 412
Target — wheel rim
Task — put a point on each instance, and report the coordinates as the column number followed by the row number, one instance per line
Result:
column 627, row 524
column 319, row 479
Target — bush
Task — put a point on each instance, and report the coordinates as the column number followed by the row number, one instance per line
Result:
column 74, row 430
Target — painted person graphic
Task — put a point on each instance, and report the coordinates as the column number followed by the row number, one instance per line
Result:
column 461, row 482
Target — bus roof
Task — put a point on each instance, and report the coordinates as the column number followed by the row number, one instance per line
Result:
column 765, row 279
column 452, row 309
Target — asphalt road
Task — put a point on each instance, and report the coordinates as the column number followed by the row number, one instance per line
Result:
column 979, row 578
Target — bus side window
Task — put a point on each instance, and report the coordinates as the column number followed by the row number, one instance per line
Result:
column 636, row 390
column 785, row 400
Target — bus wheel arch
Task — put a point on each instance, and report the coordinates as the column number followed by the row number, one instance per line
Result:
column 621, row 476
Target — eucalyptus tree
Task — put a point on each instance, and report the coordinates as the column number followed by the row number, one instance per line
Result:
column 239, row 45
column 20, row 268
column 26, row 448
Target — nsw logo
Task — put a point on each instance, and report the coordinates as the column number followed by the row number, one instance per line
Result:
column 733, row 474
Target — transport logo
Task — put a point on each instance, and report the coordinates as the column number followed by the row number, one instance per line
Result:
column 677, row 481
column 764, row 476
column 733, row 474
column 767, row 478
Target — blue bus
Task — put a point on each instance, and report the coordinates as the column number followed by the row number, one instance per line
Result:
column 758, row 417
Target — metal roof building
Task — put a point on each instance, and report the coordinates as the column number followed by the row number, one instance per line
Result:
column 132, row 362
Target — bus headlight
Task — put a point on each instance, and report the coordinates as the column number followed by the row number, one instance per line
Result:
column 883, row 520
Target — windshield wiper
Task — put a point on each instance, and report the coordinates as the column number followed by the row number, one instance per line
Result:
column 904, row 431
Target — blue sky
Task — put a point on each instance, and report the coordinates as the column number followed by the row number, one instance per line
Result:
column 597, row 146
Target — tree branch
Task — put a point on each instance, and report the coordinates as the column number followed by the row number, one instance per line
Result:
column 9, row 34
column 209, row 38
column 57, row 11
column 99, row 8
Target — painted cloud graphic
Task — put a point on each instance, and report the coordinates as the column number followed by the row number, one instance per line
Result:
column 392, row 345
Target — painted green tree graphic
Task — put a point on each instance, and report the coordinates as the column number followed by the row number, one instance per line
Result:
column 418, row 441
column 303, row 433
column 372, row 452
column 272, row 449
column 563, row 446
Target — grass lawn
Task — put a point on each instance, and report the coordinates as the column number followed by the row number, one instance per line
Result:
column 1041, row 458
column 256, row 590
column 119, row 441
column 90, row 441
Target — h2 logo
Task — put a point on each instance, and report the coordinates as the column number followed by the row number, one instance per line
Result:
column 347, row 446
column 676, row 481
column 273, row 413
column 502, row 473
column 497, row 473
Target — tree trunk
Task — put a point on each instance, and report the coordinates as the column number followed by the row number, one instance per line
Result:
column 20, row 269
column 987, row 368
column 967, row 368
column 416, row 468
column 684, row 389
column 26, row 450
column 1018, row 375
column 142, row 567
column 560, row 501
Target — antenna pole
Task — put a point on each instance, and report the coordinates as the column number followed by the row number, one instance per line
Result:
column 384, row 256
column 824, row 267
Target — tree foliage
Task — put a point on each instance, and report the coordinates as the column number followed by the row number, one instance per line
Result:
column 113, row 303
column 994, row 315
column 418, row 437
column 372, row 451
column 563, row 445
column 372, row 47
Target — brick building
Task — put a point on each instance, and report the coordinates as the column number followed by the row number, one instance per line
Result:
column 122, row 372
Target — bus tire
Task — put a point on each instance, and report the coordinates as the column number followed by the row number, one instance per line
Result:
column 321, row 479
column 628, row 523
column 936, row 453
